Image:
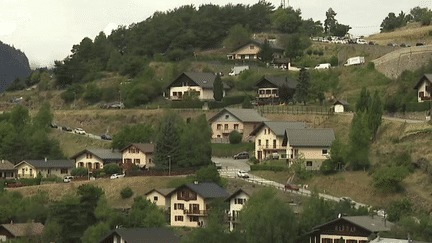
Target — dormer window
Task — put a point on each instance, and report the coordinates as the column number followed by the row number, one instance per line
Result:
column 252, row 47
column 226, row 116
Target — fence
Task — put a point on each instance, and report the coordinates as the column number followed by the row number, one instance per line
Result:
column 317, row 110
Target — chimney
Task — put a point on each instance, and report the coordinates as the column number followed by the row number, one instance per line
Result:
column 196, row 182
column 46, row 159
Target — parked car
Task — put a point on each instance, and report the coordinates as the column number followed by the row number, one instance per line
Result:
column 405, row 45
column 392, row 44
column 67, row 179
column 80, row 131
column 362, row 42
column 420, row 44
column 372, row 43
column 217, row 165
column 323, row 66
column 242, row 174
column 242, row 155
column 53, row 125
column 116, row 176
column 291, row 187
column 68, row 129
column 106, row 137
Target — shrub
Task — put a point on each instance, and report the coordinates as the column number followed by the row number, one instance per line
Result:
column 320, row 53
column 126, row 192
column 309, row 52
column 112, row 169
column 370, row 66
column 81, row 171
column 134, row 168
column 235, row 137
column 315, row 52
column 254, row 160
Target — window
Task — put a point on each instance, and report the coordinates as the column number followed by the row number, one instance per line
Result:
column 63, row 171
column 325, row 152
column 219, row 126
column 226, row 116
column 23, row 171
column 226, row 127
column 155, row 198
column 252, row 47
column 239, row 201
column 308, row 163
column 137, row 161
column 274, row 143
column 236, row 126
column 89, row 156
column 182, row 193
column 178, row 218
column 178, row 206
column 259, row 142
column 193, row 218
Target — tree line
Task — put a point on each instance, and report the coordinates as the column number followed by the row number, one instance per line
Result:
column 417, row 14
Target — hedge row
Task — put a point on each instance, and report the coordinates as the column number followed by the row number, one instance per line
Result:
column 416, row 106
column 268, row 167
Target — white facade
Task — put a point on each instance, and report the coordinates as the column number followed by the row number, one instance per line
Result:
column 190, row 212
column 159, row 199
column 177, row 93
column 25, row 170
column 267, row 143
column 424, row 92
column 339, row 108
column 89, row 161
column 236, row 205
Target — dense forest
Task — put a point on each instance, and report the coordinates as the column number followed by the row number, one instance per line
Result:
column 13, row 64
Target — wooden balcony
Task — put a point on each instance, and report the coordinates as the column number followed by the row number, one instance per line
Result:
column 196, row 212
column 225, row 131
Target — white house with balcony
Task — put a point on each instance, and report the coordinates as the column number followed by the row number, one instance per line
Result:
column 236, row 202
column 228, row 120
column 269, row 87
column 270, row 138
column 192, row 83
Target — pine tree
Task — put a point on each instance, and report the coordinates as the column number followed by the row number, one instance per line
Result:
column 266, row 52
column 302, row 92
column 167, row 147
column 218, row 88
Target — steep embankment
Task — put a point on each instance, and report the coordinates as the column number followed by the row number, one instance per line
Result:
column 13, row 63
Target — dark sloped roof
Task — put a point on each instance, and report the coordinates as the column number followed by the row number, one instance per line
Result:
column 260, row 42
column 246, row 191
column 143, row 147
column 146, row 235
column 205, row 80
column 342, row 102
column 374, row 224
column 280, row 81
column 50, row 163
column 23, row 229
column 244, row 115
column 6, row 165
column 310, row 137
column 205, row 190
column 427, row 76
column 163, row 191
column 279, row 127
column 101, row 153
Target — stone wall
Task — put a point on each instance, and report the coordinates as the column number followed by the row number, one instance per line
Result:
column 410, row 58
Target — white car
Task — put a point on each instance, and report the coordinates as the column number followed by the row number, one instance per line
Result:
column 323, row 66
column 80, row 131
column 242, row 174
column 67, row 179
column 115, row 176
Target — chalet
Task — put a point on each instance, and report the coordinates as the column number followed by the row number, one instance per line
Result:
column 228, row 120
column 140, row 235
column 190, row 203
column 270, row 138
column 269, row 87
column 424, row 88
column 138, row 154
column 14, row 230
column 7, row 170
column 95, row 159
column 314, row 144
column 193, row 82
column 354, row 229
column 236, row 202
column 32, row 168
column 160, row 197
column 250, row 50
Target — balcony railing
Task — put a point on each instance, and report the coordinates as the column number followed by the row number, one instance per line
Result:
column 230, row 130
column 196, row 212
column 272, row 147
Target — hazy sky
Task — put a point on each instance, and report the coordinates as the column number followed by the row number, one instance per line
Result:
column 45, row 30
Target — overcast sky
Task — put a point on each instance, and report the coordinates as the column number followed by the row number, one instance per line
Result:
column 45, row 30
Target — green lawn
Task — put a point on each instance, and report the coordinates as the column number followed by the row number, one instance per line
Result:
column 228, row 150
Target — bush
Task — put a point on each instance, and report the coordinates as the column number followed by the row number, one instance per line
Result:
column 370, row 66
column 126, row 193
column 112, row 169
column 315, row 52
column 81, row 171
column 254, row 160
column 235, row 137
column 309, row 52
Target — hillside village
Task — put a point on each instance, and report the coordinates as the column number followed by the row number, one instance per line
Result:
column 268, row 133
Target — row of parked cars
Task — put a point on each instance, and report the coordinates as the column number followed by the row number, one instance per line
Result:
column 78, row 131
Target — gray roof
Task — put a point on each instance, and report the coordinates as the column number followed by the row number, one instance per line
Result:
column 102, row 154
column 6, row 165
column 388, row 240
column 244, row 115
column 374, row 224
column 147, row 235
column 246, row 191
column 428, row 76
column 49, row 163
column 206, row 190
column 280, row 81
column 23, row 229
column 204, row 80
column 163, row 191
column 279, row 127
column 310, row 137
column 342, row 102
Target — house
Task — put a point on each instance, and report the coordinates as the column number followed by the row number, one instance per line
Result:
column 160, row 197
column 236, row 202
column 353, row 229
column 190, row 203
column 228, row 120
column 7, row 170
column 314, row 144
column 140, row 235
column 340, row 106
column 250, row 50
column 270, row 138
column 14, row 230
column 269, row 87
column 187, row 82
column 138, row 154
column 424, row 88
column 32, row 168
column 95, row 159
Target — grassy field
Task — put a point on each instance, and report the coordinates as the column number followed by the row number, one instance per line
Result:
column 412, row 33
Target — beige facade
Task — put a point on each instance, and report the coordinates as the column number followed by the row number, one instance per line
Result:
column 26, row 170
column 89, row 161
column 188, row 209
column 236, row 203
column 159, row 199
column 267, row 144
column 138, row 157
column 247, row 52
